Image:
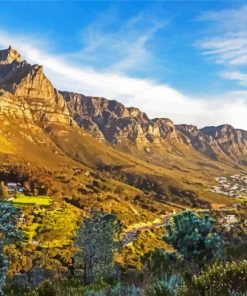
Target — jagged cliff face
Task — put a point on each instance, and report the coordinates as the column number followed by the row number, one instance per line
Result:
column 112, row 121
column 222, row 142
column 7, row 56
column 200, row 141
column 27, row 93
column 233, row 142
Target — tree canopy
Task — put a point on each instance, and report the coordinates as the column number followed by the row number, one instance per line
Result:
column 9, row 233
column 194, row 237
column 97, row 240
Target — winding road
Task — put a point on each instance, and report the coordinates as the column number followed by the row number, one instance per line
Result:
column 130, row 235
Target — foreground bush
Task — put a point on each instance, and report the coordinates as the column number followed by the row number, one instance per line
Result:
column 223, row 279
column 75, row 288
column 118, row 290
column 194, row 237
column 169, row 286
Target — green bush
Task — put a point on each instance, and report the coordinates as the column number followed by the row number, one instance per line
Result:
column 223, row 279
column 194, row 237
column 47, row 288
column 117, row 290
column 121, row 290
column 169, row 286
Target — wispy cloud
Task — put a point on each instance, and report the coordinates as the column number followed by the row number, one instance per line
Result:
column 230, row 20
column 124, row 49
column 235, row 75
column 157, row 100
column 227, row 50
column 227, row 41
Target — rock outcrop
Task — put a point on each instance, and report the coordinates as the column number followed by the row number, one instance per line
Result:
column 232, row 141
column 112, row 121
column 7, row 56
column 26, row 92
column 200, row 141
column 221, row 142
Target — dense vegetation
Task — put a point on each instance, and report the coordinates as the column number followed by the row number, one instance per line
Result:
column 197, row 264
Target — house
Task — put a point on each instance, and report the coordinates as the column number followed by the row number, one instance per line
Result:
column 13, row 187
column 230, row 219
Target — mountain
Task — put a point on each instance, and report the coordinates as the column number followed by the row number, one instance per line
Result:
column 32, row 90
column 58, row 129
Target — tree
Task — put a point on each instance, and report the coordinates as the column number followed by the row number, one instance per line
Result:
column 3, row 190
column 194, row 237
column 98, row 240
column 9, row 233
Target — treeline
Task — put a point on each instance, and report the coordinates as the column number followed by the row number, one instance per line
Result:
column 200, row 264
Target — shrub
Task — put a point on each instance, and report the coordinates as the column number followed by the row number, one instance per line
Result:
column 117, row 290
column 121, row 290
column 169, row 286
column 194, row 237
column 47, row 288
column 223, row 279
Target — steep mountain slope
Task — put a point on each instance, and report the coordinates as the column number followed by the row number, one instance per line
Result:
column 202, row 142
column 33, row 91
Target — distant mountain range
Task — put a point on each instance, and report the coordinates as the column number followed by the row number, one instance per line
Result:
column 50, row 128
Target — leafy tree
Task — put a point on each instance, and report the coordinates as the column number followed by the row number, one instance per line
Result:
column 98, row 240
column 194, row 237
column 8, row 234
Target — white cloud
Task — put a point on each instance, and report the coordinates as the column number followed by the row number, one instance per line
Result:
column 230, row 51
column 231, row 20
column 157, row 100
column 228, row 46
column 234, row 75
column 122, row 50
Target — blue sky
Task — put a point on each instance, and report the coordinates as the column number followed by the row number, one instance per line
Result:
column 186, row 60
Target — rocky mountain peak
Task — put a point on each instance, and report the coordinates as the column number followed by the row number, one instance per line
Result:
column 7, row 56
column 219, row 131
column 217, row 142
column 28, row 84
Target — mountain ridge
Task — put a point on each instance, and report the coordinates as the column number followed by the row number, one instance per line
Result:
column 112, row 121
column 57, row 129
